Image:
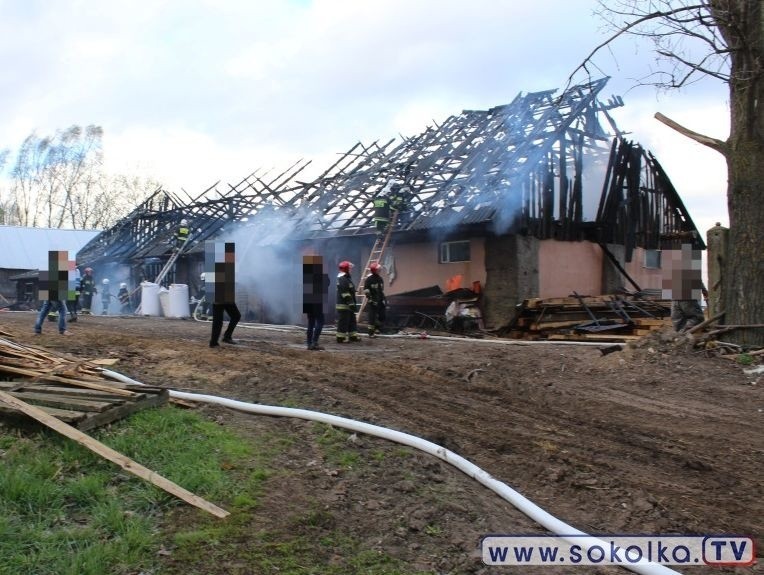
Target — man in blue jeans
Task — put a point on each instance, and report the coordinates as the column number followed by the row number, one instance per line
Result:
column 47, row 305
column 56, row 286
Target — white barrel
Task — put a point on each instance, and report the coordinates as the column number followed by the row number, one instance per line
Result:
column 150, row 299
column 178, row 301
column 164, row 301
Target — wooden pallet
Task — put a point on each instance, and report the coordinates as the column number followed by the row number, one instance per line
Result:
column 80, row 407
column 74, row 390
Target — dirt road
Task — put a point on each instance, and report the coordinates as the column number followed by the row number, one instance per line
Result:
column 653, row 439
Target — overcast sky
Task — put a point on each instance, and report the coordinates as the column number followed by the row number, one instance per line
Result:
column 195, row 91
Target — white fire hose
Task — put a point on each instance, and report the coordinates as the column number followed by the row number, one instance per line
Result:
column 523, row 504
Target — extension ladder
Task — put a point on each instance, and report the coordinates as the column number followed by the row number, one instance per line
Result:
column 374, row 257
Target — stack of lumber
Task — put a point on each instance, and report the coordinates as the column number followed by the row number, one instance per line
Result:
column 615, row 318
column 73, row 391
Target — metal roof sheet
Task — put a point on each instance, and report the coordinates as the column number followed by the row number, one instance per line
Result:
column 27, row 248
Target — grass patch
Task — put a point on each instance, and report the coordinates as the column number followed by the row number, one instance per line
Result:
column 64, row 510
column 337, row 447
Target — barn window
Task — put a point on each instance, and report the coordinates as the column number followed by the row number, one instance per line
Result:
column 653, row 259
column 455, row 252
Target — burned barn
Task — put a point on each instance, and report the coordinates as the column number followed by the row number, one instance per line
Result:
column 538, row 198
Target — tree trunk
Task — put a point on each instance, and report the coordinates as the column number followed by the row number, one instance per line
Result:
column 743, row 281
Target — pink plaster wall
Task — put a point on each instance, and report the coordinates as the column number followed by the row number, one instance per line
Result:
column 417, row 266
column 565, row 267
column 647, row 278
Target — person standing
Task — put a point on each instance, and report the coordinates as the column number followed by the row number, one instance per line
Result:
column 315, row 290
column 87, row 286
column 55, row 291
column 223, row 290
column 47, row 306
column 105, row 296
column 124, row 299
column 374, row 290
column 203, row 304
column 347, row 329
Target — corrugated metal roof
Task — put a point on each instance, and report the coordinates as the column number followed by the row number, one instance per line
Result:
column 27, row 248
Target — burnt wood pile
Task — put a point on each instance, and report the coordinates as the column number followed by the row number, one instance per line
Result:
column 616, row 317
column 73, row 391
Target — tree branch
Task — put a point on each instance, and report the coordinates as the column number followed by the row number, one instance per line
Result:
column 718, row 145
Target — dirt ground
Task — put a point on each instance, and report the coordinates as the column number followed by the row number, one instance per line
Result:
column 656, row 438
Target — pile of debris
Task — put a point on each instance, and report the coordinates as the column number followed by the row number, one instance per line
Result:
column 613, row 318
column 73, row 391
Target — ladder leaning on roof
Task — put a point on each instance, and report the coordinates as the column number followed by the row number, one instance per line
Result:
column 374, row 257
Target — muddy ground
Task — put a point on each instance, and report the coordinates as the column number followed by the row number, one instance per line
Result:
column 657, row 438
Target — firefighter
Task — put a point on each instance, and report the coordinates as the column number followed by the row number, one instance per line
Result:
column 381, row 212
column 399, row 197
column 182, row 234
column 124, row 299
column 374, row 290
column 105, row 296
column 74, row 304
column 201, row 299
column 88, row 288
column 347, row 329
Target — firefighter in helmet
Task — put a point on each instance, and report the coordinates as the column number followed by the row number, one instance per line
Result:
column 105, row 296
column 374, row 290
column 87, row 290
column 381, row 211
column 124, row 299
column 182, row 234
column 203, row 306
column 347, row 329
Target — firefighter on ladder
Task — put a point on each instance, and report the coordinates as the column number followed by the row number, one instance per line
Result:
column 374, row 290
column 182, row 234
column 381, row 212
column 347, row 329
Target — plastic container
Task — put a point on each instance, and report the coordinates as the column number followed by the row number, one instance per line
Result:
column 150, row 299
column 164, row 301
column 178, row 306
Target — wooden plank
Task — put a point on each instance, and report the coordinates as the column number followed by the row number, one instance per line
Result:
column 650, row 322
column 93, row 420
column 88, row 384
column 64, row 390
column 62, row 402
column 114, row 456
column 70, row 417
column 592, row 337
column 556, row 324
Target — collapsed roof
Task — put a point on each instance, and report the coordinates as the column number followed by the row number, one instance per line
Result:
column 543, row 165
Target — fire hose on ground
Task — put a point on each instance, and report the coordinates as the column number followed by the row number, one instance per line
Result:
column 520, row 502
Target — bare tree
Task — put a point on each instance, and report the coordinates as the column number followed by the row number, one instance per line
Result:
column 59, row 181
column 721, row 39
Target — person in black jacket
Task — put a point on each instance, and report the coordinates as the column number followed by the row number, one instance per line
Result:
column 374, row 290
column 347, row 329
column 223, row 264
column 87, row 289
column 315, row 288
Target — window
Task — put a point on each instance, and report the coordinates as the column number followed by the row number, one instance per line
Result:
column 455, row 252
column 653, row 259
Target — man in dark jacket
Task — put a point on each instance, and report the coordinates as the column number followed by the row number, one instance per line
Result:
column 87, row 287
column 347, row 329
column 374, row 290
column 315, row 288
column 223, row 293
